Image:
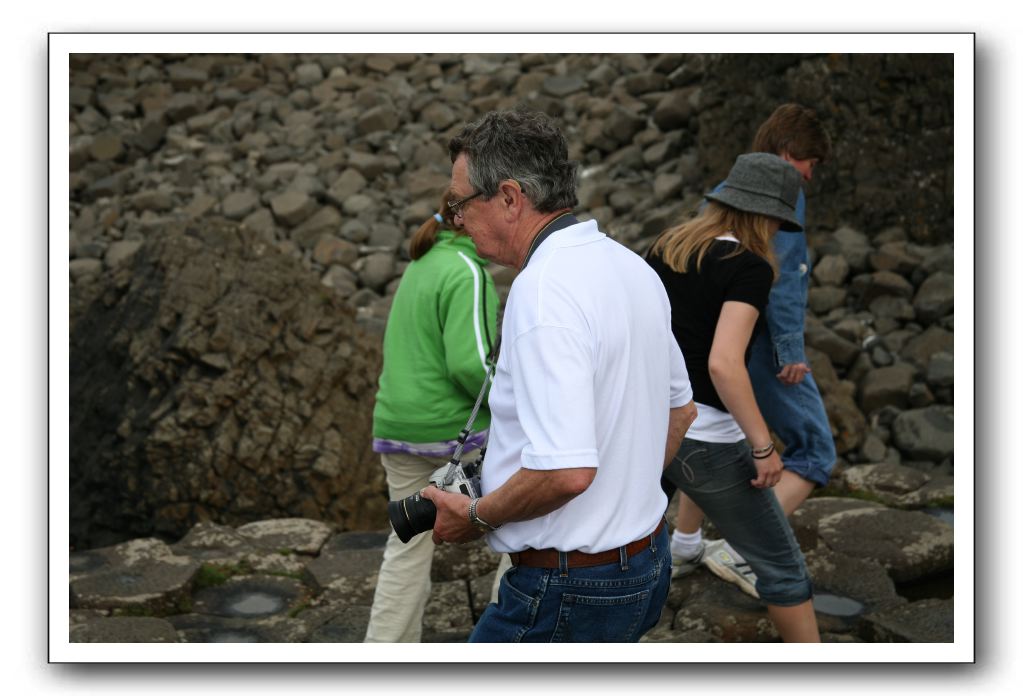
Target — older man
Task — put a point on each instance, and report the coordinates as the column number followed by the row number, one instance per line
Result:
column 590, row 396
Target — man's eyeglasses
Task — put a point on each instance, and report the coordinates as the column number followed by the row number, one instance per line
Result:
column 456, row 206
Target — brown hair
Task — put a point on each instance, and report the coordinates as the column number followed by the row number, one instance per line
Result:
column 796, row 130
column 678, row 245
column 422, row 241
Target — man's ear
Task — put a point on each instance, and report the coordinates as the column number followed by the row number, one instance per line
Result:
column 511, row 196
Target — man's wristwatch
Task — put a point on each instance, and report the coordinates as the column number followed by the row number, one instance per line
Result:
column 475, row 520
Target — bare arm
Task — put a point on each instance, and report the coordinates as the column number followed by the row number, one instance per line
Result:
column 727, row 365
column 679, row 420
column 526, row 495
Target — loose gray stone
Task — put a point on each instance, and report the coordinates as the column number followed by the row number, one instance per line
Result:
column 185, row 77
column 292, row 207
column 925, row 433
column 561, row 86
column 358, row 203
column 349, row 183
column 853, row 245
column 105, row 147
column 439, row 115
column 326, row 220
column 621, row 125
column 121, row 252
column 838, row 349
column 81, row 268
column 886, row 386
column 308, row 74
column 920, row 348
column 200, row 205
column 823, row 300
column 331, row 250
column 832, row 269
column 936, row 297
column 239, row 204
column 262, row 222
column 379, row 118
column 897, row 308
column 150, row 136
column 873, row 449
column 880, row 284
column 203, row 123
column 895, row 257
column 377, row 270
column 341, row 279
column 674, row 110
column 386, row 236
column 941, row 370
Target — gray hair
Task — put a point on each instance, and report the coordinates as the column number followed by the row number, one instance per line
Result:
column 525, row 146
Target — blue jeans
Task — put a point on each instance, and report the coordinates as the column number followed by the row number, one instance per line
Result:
column 617, row 602
column 717, row 478
column 796, row 413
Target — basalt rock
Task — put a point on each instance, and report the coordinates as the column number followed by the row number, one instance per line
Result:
column 213, row 378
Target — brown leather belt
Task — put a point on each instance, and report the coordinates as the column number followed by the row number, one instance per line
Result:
column 548, row 558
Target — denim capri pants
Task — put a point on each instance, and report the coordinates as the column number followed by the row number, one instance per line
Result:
column 716, row 476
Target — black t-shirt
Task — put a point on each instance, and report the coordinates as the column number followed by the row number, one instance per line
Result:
column 696, row 299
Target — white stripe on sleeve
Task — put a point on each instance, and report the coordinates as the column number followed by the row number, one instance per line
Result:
column 476, row 308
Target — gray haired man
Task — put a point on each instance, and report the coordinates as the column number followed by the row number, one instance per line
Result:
column 589, row 396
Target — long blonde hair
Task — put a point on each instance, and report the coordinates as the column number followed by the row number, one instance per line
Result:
column 679, row 244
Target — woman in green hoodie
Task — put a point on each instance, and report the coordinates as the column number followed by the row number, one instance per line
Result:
column 439, row 335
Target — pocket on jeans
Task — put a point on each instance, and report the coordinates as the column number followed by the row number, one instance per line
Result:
column 600, row 619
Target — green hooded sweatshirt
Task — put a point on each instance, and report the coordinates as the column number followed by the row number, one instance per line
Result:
column 440, row 330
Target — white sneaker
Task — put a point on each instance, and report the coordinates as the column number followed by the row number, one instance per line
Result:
column 722, row 560
column 681, row 567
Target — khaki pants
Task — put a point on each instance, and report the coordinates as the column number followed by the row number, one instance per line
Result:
column 404, row 582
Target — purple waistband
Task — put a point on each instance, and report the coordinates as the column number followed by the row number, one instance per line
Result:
column 428, row 449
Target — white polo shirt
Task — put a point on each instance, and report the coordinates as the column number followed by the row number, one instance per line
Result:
column 587, row 374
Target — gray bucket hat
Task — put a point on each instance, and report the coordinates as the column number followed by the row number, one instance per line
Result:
column 764, row 184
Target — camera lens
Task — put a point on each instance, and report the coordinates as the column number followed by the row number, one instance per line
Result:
column 413, row 515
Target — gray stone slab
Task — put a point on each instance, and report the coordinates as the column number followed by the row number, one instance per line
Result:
column 926, row 621
column 293, row 534
column 250, row 597
column 351, row 556
column 124, row 629
column 908, row 544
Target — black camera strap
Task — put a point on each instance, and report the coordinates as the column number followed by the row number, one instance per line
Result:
column 564, row 220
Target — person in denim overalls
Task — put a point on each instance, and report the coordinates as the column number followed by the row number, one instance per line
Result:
column 782, row 381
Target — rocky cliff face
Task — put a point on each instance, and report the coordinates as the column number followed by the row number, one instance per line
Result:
column 213, row 378
column 237, row 222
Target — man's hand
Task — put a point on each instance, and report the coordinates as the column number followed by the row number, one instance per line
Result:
column 452, row 516
column 793, row 373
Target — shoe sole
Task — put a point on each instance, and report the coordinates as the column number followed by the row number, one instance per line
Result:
column 728, row 575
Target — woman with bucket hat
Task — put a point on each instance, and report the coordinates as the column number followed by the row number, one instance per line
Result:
column 717, row 269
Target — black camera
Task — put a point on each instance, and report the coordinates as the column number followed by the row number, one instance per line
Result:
column 415, row 514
